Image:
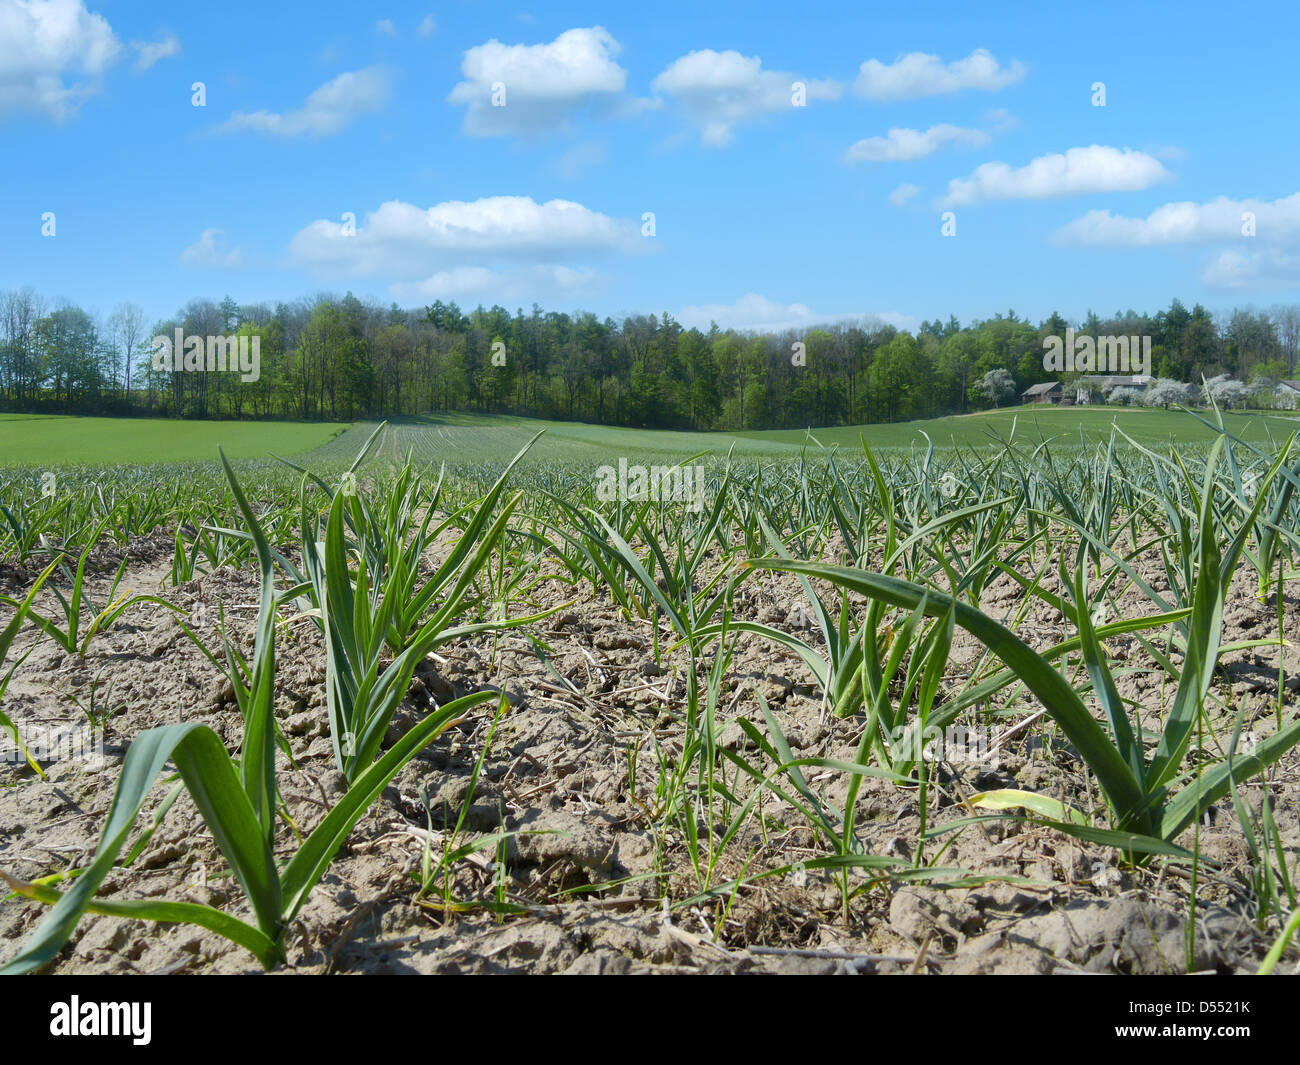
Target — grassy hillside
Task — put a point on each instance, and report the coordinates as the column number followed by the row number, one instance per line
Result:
column 458, row 438
column 50, row 440
column 972, row 430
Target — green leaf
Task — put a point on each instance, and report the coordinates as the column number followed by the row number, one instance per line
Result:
column 210, row 777
column 1103, row 683
column 252, row 939
column 308, row 865
column 1014, row 799
column 257, row 756
column 1058, row 698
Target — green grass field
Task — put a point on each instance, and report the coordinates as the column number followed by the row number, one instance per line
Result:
column 52, row 440
column 58, row 440
column 467, row 438
column 1045, row 422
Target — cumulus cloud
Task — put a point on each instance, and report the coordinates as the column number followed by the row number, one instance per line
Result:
column 44, row 44
column 480, row 283
column 1077, row 172
column 755, row 313
column 1188, row 223
column 901, row 145
column 544, row 85
column 1266, row 232
column 1268, row 268
column 405, row 241
column 210, row 250
column 328, row 110
column 919, row 74
column 720, row 90
column 147, row 53
column 903, row 193
column 456, row 283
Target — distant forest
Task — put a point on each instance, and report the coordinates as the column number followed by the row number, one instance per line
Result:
column 343, row 359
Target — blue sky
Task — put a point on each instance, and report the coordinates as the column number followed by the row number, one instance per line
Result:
column 766, row 214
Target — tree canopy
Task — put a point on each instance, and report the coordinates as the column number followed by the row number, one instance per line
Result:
column 336, row 357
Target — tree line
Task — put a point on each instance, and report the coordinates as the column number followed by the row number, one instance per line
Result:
column 343, row 358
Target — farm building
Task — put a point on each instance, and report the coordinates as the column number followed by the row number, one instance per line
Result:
column 1046, row 392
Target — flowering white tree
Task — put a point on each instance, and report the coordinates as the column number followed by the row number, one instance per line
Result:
column 1225, row 391
column 1126, row 396
column 1166, row 392
column 996, row 386
column 1285, row 398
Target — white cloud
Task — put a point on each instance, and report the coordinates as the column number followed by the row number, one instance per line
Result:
column 386, row 27
column 902, row 145
column 402, row 240
column 328, row 110
column 427, row 25
column 918, row 74
column 903, row 193
column 532, row 283
column 1077, row 172
column 210, row 250
column 719, row 90
column 44, row 42
column 756, row 313
column 455, row 283
column 1267, row 268
column 1270, row 258
column 566, row 278
column 150, row 52
column 544, row 84
column 1188, row 223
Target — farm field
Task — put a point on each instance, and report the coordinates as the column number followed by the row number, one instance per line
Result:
column 994, row 708
column 462, row 438
column 459, row 439
column 56, row 440
column 986, row 428
column 636, row 492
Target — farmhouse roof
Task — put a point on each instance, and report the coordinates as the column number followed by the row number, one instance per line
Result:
column 1041, row 389
column 1293, row 385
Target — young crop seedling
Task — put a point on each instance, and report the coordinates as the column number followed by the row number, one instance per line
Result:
column 77, row 604
column 1152, row 800
column 237, row 800
column 7, row 636
column 99, row 709
column 363, row 610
